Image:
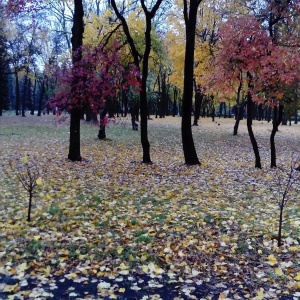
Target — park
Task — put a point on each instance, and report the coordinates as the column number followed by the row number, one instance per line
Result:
column 149, row 149
column 111, row 216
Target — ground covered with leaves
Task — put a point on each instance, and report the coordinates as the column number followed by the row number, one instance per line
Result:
column 110, row 227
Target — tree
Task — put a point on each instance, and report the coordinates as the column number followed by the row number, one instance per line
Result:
column 190, row 12
column 144, row 59
column 97, row 76
column 249, row 58
column 3, row 64
column 77, row 36
column 281, row 188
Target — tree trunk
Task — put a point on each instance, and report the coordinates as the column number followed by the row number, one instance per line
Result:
column 42, row 91
column 145, row 62
column 250, row 109
column 102, row 134
column 269, row 114
column 74, row 146
column 197, row 106
column 33, row 97
column 240, row 111
column 29, row 206
column 77, row 36
column 17, row 93
column 276, row 122
column 190, row 15
column 213, row 114
column 24, row 96
column 279, row 236
column 175, row 101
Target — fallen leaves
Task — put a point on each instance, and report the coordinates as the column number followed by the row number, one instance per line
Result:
column 110, row 215
column 272, row 260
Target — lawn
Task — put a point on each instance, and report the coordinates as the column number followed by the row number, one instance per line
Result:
column 111, row 217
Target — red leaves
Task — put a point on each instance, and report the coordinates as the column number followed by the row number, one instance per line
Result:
column 20, row 6
column 245, row 46
column 98, row 77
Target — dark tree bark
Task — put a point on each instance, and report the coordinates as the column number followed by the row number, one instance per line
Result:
column 190, row 17
column 17, row 93
column 213, row 114
column 77, row 36
column 33, row 97
column 198, row 101
column 225, row 110
column 240, row 112
column 175, row 90
column 149, row 15
column 42, row 92
column 133, row 112
column 90, row 116
column 269, row 114
column 25, row 92
column 276, row 122
column 250, row 110
column 102, row 134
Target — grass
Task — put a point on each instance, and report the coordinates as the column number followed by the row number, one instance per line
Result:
column 111, row 210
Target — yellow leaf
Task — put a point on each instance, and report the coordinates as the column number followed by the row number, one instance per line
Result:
column 123, row 266
column 131, row 258
column 10, row 288
column 36, row 237
column 272, row 260
column 145, row 269
column 122, row 290
column 39, row 181
column 294, row 248
column 278, row 272
column 144, row 257
column 22, row 267
column 159, row 270
column 24, row 160
column 297, row 277
column 63, row 188
column 225, row 239
column 120, row 250
column 47, row 270
column 260, row 294
column 295, row 287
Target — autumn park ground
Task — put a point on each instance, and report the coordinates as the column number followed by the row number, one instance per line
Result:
column 110, row 227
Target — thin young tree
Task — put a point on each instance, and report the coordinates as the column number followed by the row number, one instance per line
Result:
column 285, row 181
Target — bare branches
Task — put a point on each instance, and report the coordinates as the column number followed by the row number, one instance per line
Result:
column 28, row 173
column 284, row 183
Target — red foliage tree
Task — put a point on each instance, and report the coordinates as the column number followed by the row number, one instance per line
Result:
column 23, row 6
column 99, row 75
column 249, row 58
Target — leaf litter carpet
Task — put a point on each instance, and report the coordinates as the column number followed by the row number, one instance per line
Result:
column 110, row 227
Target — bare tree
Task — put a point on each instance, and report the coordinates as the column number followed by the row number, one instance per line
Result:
column 282, row 187
column 28, row 173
